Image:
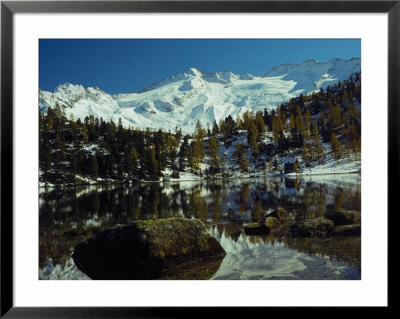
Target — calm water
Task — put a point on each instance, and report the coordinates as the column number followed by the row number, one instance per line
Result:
column 70, row 215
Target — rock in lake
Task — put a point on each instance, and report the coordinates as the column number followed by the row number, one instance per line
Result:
column 147, row 249
column 271, row 222
column 345, row 217
column 280, row 213
column 313, row 227
column 279, row 221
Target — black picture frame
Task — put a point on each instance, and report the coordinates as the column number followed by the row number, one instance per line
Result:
column 9, row 8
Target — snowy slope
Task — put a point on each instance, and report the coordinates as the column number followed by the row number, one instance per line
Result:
column 184, row 98
column 77, row 101
column 312, row 74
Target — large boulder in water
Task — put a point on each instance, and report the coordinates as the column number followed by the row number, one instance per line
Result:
column 147, row 249
column 312, row 227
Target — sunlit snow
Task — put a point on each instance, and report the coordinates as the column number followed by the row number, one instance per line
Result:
column 185, row 98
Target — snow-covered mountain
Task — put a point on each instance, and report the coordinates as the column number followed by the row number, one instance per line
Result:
column 184, row 98
column 312, row 75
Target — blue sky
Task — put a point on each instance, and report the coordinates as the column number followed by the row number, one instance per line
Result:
column 122, row 66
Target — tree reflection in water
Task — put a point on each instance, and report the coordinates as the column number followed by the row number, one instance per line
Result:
column 68, row 216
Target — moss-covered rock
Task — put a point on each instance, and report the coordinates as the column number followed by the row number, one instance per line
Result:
column 347, row 230
column 279, row 221
column 271, row 222
column 147, row 249
column 345, row 217
column 281, row 214
column 313, row 227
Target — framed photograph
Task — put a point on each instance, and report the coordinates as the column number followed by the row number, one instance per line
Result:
column 162, row 155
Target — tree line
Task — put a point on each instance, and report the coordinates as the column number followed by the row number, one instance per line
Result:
column 96, row 148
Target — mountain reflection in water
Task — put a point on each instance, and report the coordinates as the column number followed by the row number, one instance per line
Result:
column 70, row 215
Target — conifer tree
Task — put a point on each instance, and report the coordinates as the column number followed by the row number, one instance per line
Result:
column 120, row 126
column 199, row 145
column 41, row 122
column 60, row 147
column 247, row 119
column 223, row 164
column 208, row 130
column 275, row 132
column 239, row 123
column 110, row 165
column 215, row 129
column 150, row 163
column 84, row 133
column 172, row 146
column 183, row 153
column 161, row 149
column 356, row 147
column 307, row 122
column 336, row 146
column 74, row 130
column 344, row 98
column 298, row 136
column 259, row 122
column 133, row 160
column 252, row 138
column 193, row 158
column 317, row 141
column 94, row 167
column 347, row 146
column 47, row 157
column 178, row 135
column 241, row 157
column 277, row 127
column 292, row 123
column 74, row 164
column 49, row 123
column 305, row 154
column 214, row 156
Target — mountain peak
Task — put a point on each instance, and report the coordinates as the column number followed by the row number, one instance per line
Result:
column 312, row 65
column 184, row 98
column 311, row 61
column 334, row 60
column 68, row 87
column 193, row 72
column 246, row 76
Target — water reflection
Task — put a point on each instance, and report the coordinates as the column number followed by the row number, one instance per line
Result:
column 68, row 216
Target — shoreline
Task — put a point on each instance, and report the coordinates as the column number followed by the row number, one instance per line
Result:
column 290, row 176
column 320, row 174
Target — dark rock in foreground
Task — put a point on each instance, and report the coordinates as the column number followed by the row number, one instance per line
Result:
column 345, row 217
column 347, row 230
column 313, row 227
column 147, row 249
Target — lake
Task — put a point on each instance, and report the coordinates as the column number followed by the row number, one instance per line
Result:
column 69, row 215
